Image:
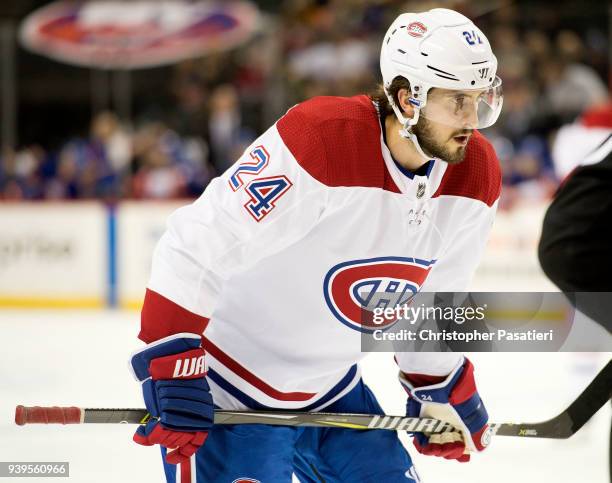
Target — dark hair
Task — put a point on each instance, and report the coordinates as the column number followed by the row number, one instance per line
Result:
column 381, row 99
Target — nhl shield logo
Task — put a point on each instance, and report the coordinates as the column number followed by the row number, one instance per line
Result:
column 420, row 190
column 353, row 289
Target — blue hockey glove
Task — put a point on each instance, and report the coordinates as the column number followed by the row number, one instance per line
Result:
column 454, row 400
column 172, row 372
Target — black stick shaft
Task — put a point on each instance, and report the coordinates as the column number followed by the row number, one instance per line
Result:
column 284, row 418
column 564, row 425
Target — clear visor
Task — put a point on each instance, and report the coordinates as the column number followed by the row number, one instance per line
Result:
column 464, row 109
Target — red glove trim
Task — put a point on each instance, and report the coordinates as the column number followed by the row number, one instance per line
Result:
column 181, row 445
column 420, row 380
column 465, row 387
column 482, row 438
column 449, row 451
column 186, row 365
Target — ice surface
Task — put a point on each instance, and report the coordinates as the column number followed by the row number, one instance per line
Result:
column 80, row 358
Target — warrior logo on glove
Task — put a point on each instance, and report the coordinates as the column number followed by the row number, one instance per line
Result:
column 189, row 367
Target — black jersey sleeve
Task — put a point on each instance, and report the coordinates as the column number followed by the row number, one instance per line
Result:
column 575, row 249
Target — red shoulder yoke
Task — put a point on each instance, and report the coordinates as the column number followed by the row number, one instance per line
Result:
column 337, row 141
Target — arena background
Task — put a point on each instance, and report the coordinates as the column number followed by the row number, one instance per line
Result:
column 97, row 150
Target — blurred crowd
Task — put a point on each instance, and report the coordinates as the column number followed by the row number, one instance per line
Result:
column 151, row 162
column 553, row 68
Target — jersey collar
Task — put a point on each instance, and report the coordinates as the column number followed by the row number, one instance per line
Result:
column 418, row 185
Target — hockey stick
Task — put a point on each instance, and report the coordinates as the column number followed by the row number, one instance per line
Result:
column 560, row 427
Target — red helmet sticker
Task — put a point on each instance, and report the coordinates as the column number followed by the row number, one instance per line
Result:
column 416, row 29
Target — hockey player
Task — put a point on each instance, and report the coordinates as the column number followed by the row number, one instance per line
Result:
column 574, row 249
column 263, row 276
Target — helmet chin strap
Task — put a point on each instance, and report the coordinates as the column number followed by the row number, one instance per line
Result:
column 407, row 124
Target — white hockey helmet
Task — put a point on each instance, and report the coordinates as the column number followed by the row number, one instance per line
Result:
column 442, row 49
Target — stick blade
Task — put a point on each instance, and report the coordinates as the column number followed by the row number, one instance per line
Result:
column 566, row 424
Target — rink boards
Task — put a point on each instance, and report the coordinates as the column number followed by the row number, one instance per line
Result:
column 92, row 255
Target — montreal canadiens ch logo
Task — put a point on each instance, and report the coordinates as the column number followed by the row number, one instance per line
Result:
column 416, row 29
column 355, row 288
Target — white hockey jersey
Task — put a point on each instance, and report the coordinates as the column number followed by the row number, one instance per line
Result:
column 279, row 251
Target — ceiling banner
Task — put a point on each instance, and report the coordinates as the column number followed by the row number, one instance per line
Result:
column 137, row 34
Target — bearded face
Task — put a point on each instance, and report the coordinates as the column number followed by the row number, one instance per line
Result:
column 441, row 141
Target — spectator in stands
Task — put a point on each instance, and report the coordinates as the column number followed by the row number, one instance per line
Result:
column 225, row 127
column 570, row 88
column 21, row 176
column 64, row 185
column 112, row 139
column 157, row 175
